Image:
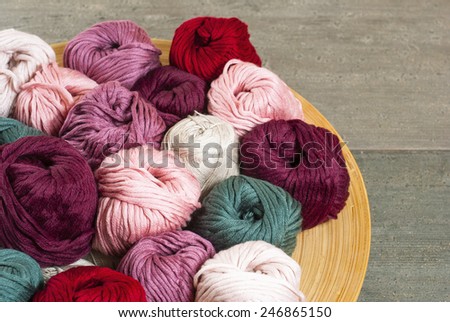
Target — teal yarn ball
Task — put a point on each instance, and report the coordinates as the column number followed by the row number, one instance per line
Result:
column 12, row 130
column 241, row 209
column 20, row 276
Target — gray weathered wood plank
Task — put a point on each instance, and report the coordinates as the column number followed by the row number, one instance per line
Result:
column 378, row 70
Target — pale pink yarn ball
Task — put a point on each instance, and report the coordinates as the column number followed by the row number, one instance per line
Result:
column 246, row 95
column 254, row 271
column 143, row 192
column 47, row 98
column 21, row 54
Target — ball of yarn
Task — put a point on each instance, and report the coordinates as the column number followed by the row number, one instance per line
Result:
column 175, row 93
column 207, row 146
column 91, row 284
column 109, row 118
column 20, row 56
column 241, row 209
column 12, row 130
column 49, row 272
column 143, row 192
column 254, row 271
column 303, row 159
column 165, row 264
column 49, row 198
column 20, row 276
column 117, row 50
column 247, row 95
column 100, row 259
column 202, row 45
column 46, row 99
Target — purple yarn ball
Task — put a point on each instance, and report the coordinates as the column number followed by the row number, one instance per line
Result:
column 117, row 50
column 109, row 118
column 175, row 93
column 303, row 159
column 49, row 200
column 166, row 264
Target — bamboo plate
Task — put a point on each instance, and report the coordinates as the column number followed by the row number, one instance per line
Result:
column 333, row 255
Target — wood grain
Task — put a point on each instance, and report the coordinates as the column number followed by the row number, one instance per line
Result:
column 334, row 255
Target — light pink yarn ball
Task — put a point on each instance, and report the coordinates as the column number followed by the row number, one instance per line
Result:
column 246, row 95
column 143, row 192
column 21, row 54
column 254, row 271
column 47, row 98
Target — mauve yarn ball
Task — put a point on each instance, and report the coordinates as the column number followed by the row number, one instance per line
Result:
column 303, row 159
column 21, row 54
column 109, row 118
column 12, row 130
column 165, row 264
column 20, row 276
column 49, row 198
column 202, row 45
column 246, row 95
column 117, row 50
column 254, row 271
column 241, row 209
column 175, row 93
column 91, row 284
column 46, row 99
column 143, row 192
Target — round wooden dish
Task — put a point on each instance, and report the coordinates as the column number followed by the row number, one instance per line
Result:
column 334, row 255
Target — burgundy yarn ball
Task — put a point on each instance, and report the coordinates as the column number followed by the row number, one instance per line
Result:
column 166, row 264
column 117, row 50
column 202, row 45
column 110, row 118
column 91, row 284
column 175, row 93
column 49, row 199
column 303, row 159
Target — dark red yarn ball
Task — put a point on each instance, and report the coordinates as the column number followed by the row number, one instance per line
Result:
column 303, row 159
column 91, row 284
column 48, row 199
column 175, row 93
column 203, row 45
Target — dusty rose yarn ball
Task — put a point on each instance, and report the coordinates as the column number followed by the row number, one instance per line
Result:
column 46, row 99
column 246, row 95
column 117, row 50
column 143, row 192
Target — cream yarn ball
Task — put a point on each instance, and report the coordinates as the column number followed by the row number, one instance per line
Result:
column 207, row 146
column 254, row 271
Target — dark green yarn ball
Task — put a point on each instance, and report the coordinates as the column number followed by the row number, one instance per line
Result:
column 11, row 130
column 20, row 276
column 241, row 209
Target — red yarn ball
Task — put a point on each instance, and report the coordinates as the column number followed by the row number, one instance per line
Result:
column 203, row 45
column 303, row 159
column 91, row 284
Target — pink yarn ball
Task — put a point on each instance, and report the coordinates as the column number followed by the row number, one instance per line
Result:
column 246, row 95
column 165, row 264
column 109, row 118
column 113, row 51
column 46, row 99
column 143, row 192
